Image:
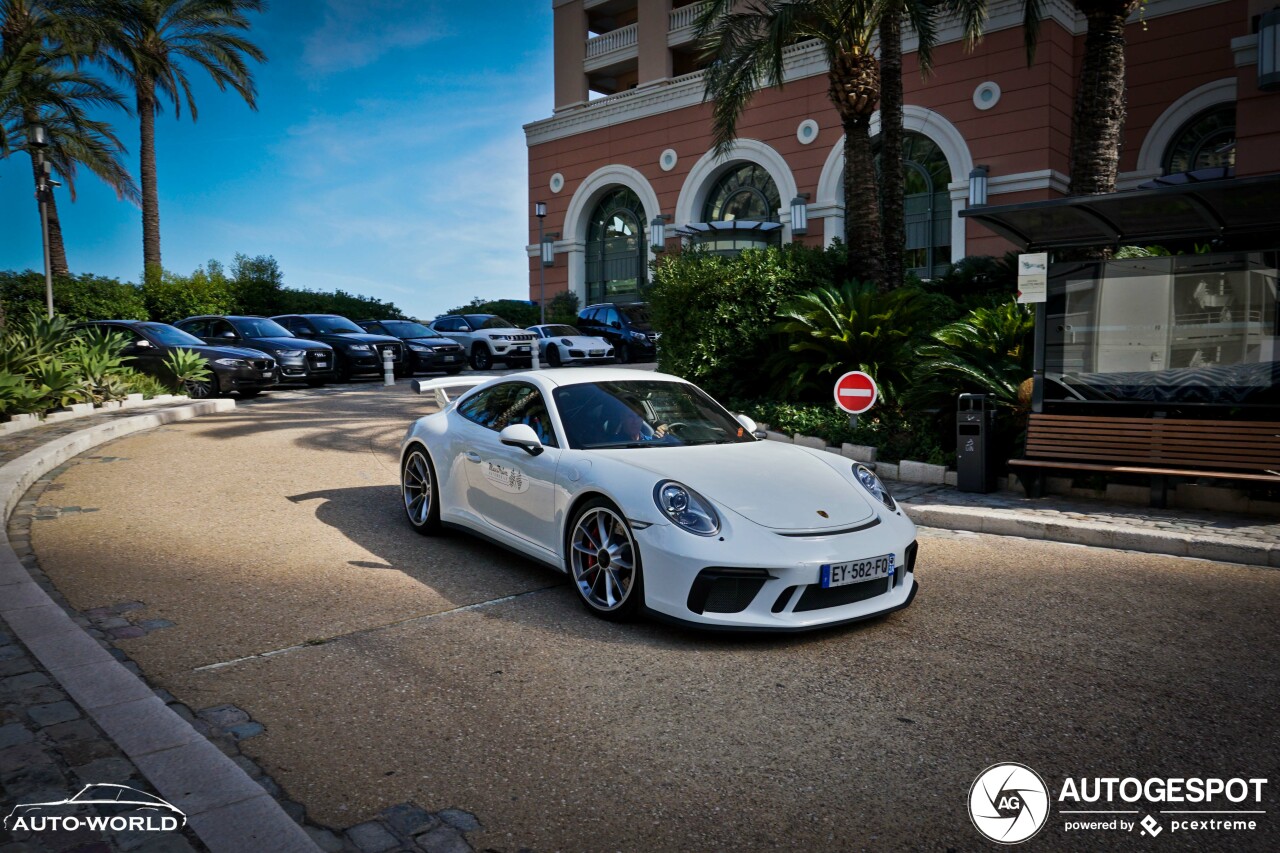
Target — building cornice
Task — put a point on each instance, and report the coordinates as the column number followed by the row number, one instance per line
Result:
column 803, row 60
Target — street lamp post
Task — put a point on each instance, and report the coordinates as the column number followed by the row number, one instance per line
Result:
column 540, row 211
column 38, row 141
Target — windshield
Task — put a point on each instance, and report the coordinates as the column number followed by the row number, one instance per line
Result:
column 171, row 336
column 487, row 321
column 637, row 314
column 560, row 331
column 257, row 327
column 643, row 413
column 335, row 325
column 406, row 329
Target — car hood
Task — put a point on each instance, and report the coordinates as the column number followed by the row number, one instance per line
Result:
column 361, row 338
column 228, row 352
column 290, row 343
column 775, row 485
column 432, row 342
column 581, row 341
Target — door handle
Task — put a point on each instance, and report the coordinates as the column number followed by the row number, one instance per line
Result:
column 472, row 456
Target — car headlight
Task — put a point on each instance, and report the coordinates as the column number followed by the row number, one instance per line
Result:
column 566, row 342
column 359, row 347
column 499, row 337
column 638, row 336
column 686, row 508
column 419, row 348
column 291, row 353
column 231, row 362
column 872, row 484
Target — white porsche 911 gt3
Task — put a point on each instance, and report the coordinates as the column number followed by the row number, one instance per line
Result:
column 652, row 497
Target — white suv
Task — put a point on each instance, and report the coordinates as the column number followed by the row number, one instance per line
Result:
column 487, row 338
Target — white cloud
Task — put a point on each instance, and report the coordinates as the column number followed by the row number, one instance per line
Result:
column 356, row 34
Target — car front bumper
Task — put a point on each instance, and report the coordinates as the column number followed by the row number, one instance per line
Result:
column 759, row 580
column 428, row 361
column 247, row 379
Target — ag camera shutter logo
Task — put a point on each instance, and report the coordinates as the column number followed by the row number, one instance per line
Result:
column 1008, row 803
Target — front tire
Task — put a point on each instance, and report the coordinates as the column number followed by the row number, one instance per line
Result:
column 205, row 389
column 622, row 353
column 553, row 356
column 480, row 357
column 418, row 493
column 604, row 562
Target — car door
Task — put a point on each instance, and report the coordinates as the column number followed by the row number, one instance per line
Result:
column 143, row 355
column 512, row 490
column 222, row 333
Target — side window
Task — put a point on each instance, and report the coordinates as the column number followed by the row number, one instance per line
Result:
column 611, row 317
column 373, row 328
column 219, row 329
column 302, row 324
column 445, row 326
column 485, row 407
column 199, row 328
column 528, row 407
column 287, row 322
column 589, row 316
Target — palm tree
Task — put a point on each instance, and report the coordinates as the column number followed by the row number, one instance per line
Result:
column 149, row 44
column 921, row 16
column 744, row 44
column 1097, row 124
column 46, row 40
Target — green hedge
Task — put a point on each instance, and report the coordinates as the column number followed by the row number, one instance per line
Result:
column 81, row 297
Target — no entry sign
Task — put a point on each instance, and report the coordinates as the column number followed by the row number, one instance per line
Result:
column 855, row 392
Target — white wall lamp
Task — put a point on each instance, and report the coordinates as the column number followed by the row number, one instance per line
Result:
column 1269, row 51
column 978, row 186
column 800, row 215
column 658, row 232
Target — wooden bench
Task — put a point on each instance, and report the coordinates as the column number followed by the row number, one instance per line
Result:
column 1159, row 447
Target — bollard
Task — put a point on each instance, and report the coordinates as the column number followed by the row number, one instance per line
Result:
column 388, row 369
column 535, row 360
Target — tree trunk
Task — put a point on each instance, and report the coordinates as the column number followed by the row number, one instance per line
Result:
column 1098, row 122
column 854, row 90
column 861, row 207
column 147, row 174
column 891, row 175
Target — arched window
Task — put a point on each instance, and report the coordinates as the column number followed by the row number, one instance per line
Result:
column 616, row 253
column 926, row 205
column 1206, row 141
column 745, row 201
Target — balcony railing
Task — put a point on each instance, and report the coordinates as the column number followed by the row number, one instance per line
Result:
column 618, row 39
column 686, row 16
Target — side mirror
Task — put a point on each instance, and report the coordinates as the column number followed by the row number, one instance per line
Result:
column 616, row 324
column 522, row 436
column 747, row 424
column 304, row 333
column 143, row 343
column 229, row 335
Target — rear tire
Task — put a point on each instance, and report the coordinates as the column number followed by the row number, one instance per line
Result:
column 418, row 493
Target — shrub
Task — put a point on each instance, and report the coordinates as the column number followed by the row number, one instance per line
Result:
column 256, row 284
column 188, row 368
column 716, row 313
column 896, row 434
column 82, row 297
column 17, row 395
column 133, row 382
column 519, row 313
column 96, row 357
column 856, row 327
column 339, row 302
column 170, row 297
column 563, row 308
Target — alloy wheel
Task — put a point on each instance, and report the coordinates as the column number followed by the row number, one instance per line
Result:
column 603, row 559
column 417, row 488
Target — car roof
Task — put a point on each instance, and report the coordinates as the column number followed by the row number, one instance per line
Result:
column 558, row 377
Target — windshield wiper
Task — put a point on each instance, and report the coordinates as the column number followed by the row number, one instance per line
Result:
column 624, row 444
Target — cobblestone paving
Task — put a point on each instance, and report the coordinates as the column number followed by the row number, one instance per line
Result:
column 1254, row 529
column 49, row 749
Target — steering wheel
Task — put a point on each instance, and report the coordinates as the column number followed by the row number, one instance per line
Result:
column 676, row 427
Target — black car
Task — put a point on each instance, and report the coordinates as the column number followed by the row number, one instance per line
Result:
column 427, row 349
column 357, row 352
column 627, row 327
column 247, row 371
column 298, row 359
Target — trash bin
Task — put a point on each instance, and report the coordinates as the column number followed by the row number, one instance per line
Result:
column 975, row 467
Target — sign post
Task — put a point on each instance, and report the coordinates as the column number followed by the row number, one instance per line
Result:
column 855, row 394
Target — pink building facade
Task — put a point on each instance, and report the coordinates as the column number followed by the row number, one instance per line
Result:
column 630, row 137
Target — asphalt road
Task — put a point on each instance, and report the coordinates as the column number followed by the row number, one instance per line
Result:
column 451, row 673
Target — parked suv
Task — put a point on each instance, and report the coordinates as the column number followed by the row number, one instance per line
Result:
column 357, row 352
column 426, row 349
column 248, row 371
column 298, row 360
column 627, row 327
column 488, row 338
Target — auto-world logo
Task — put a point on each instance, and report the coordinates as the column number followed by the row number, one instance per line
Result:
column 98, row 808
column 1009, row 803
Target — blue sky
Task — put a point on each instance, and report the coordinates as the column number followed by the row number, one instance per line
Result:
column 386, row 158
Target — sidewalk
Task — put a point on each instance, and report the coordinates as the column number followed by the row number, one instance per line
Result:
column 1248, row 539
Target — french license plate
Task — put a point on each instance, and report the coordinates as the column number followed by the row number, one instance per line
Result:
column 450, row 358
column 267, row 374
column 322, row 364
column 856, row 571
column 522, row 349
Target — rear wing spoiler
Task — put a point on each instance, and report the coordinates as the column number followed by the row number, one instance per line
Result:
column 448, row 388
